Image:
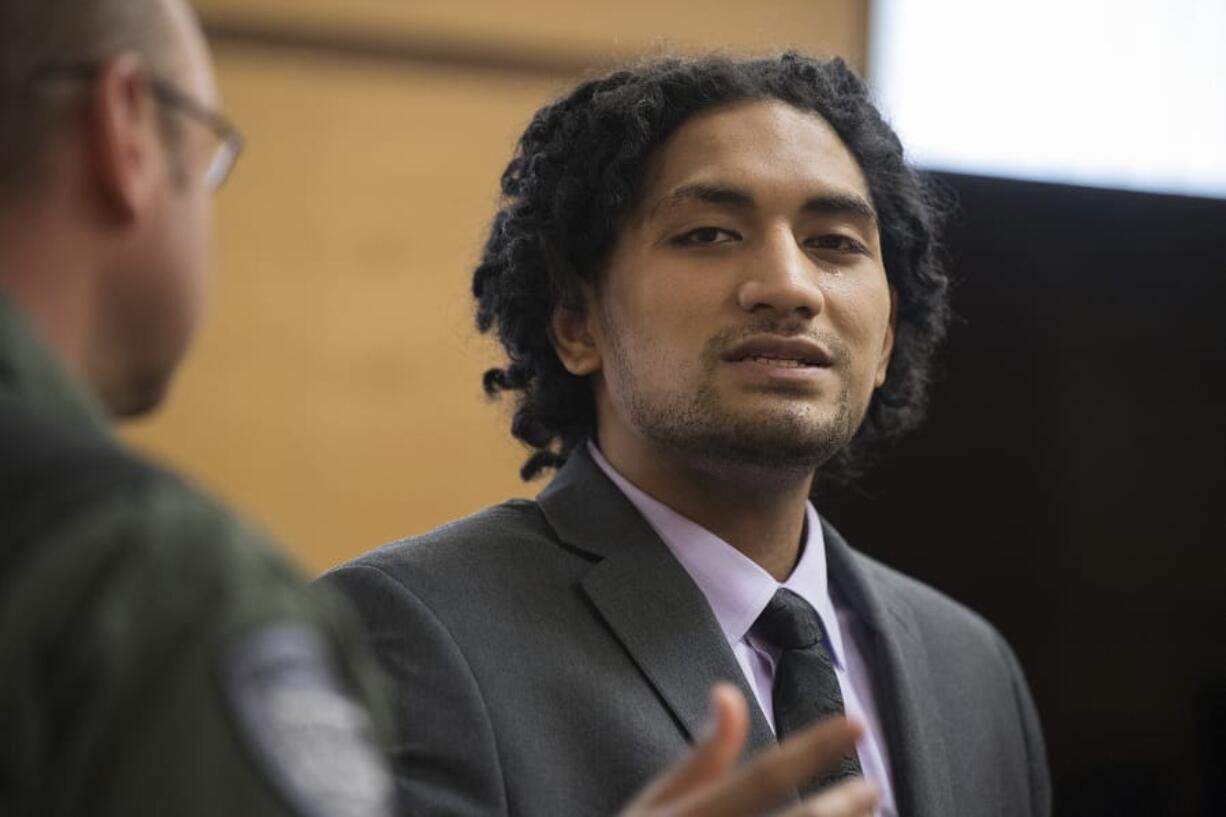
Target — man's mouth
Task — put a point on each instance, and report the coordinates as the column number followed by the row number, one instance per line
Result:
column 784, row 352
column 785, row 362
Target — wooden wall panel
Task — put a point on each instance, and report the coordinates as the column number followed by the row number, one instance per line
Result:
column 334, row 393
column 588, row 30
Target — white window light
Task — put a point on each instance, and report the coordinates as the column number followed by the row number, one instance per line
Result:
column 1115, row 93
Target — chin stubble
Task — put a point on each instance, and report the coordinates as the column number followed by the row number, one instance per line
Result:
column 698, row 424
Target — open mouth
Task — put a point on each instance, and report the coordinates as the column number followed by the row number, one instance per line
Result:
column 785, row 362
column 781, row 352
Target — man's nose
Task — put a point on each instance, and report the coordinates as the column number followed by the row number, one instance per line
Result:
column 782, row 278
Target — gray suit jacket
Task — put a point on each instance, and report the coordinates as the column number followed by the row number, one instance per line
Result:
column 550, row 657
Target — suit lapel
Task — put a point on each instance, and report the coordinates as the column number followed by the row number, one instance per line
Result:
column 646, row 597
column 903, row 680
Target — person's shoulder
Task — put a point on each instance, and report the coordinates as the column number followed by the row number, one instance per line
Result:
column 152, row 584
column 498, row 556
column 175, row 520
column 153, row 538
column 947, row 626
column 920, row 596
column 980, row 686
column 89, row 489
column 506, row 531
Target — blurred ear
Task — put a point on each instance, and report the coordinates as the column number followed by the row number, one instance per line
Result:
column 124, row 138
column 571, row 332
column 887, row 346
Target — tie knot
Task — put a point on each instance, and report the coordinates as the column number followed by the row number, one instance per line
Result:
column 789, row 622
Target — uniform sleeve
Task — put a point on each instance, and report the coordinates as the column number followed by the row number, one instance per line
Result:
column 194, row 674
column 446, row 760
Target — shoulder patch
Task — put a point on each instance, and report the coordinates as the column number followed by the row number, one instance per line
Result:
column 311, row 739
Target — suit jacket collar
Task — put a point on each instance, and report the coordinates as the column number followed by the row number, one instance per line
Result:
column 665, row 624
column 903, row 677
column 646, row 597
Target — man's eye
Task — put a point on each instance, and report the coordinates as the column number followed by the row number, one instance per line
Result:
column 838, row 243
column 706, row 236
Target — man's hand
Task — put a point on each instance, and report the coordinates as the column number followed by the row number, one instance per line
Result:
column 705, row 783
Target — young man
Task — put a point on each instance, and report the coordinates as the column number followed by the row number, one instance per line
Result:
column 715, row 280
column 158, row 656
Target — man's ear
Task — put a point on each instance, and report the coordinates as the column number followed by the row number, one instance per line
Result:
column 573, row 338
column 887, row 346
column 124, row 137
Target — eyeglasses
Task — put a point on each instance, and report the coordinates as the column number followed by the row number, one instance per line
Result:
column 229, row 139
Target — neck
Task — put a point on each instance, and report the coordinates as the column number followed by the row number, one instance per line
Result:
column 760, row 511
column 43, row 275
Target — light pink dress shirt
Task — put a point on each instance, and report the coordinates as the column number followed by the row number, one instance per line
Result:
column 738, row 590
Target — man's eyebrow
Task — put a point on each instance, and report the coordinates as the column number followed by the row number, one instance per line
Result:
column 736, row 198
column 706, row 194
column 841, row 203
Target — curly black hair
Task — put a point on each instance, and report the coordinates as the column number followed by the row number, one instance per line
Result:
column 578, row 173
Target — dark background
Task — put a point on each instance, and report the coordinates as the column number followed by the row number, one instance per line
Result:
column 1066, row 483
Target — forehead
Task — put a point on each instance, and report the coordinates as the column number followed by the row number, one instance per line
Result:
column 760, row 145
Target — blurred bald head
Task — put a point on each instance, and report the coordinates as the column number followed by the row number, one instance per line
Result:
column 105, row 207
column 38, row 33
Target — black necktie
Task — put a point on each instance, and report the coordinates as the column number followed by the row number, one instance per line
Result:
column 805, row 688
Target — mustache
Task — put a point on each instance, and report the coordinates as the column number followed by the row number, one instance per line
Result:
column 718, row 343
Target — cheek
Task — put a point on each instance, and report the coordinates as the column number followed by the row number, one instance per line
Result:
column 653, row 351
column 860, row 311
column 668, row 330
column 189, row 262
column 203, row 251
column 664, row 312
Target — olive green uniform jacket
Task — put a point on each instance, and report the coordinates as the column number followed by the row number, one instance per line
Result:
column 157, row 656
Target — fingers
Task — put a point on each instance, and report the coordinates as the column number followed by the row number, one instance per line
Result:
column 774, row 774
column 852, row 799
column 713, row 755
column 702, row 784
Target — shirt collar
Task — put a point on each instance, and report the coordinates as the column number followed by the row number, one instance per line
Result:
column 735, row 586
column 30, row 373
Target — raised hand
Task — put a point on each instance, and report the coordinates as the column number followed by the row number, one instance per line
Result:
column 707, row 783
